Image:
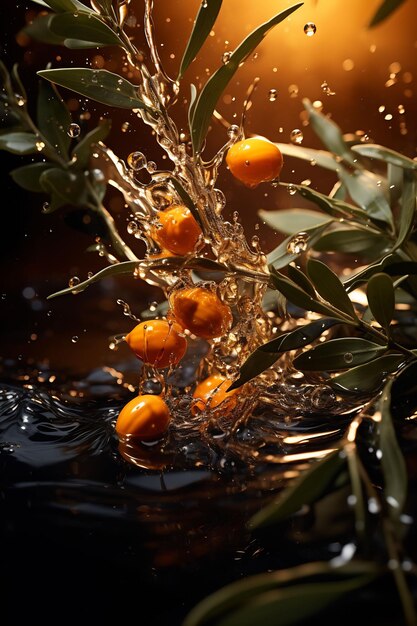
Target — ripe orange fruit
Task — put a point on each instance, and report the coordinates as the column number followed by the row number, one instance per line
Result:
column 146, row 417
column 201, row 312
column 158, row 342
column 211, row 393
column 254, row 160
column 178, row 231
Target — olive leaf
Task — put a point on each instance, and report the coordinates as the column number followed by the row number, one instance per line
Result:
column 298, row 277
column 266, row 355
column 65, row 5
column 28, row 176
column 369, row 377
column 350, row 241
column 381, row 299
column 363, row 276
column 407, row 213
column 100, row 85
column 380, row 153
column 53, row 118
column 385, row 9
column 65, row 187
column 19, row 142
column 293, row 246
column 185, row 197
column 125, row 267
column 193, row 99
column 40, row 31
column 82, row 151
column 338, row 354
column 330, row 287
column 209, row 95
column 203, row 23
column 366, row 190
column 86, row 28
column 322, row 158
column 292, row 221
column 404, row 391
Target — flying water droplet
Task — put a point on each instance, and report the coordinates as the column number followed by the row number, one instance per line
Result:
column 298, row 243
column 73, row 281
column 348, row 357
column 74, row 131
column 326, row 89
column 74, row 339
column 226, row 57
column 136, row 161
column 20, row 100
column 132, row 228
column 273, row 94
column 233, row 131
column 39, row 146
column 310, row 29
column 296, row 136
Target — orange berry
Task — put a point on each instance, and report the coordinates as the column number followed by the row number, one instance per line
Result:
column 146, row 417
column 158, row 342
column 211, row 393
column 201, row 312
column 178, row 232
column 254, row 161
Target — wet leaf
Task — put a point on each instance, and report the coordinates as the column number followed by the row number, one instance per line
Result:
column 338, row 354
column 40, row 31
column 126, row 267
column 65, row 187
column 330, row 287
column 82, row 151
column 298, row 277
column 214, row 87
column 185, row 197
column 381, row 299
column 18, row 143
column 392, row 460
column 53, row 118
column 363, row 275
column 87, row 28
column 349, row 241
column 266, row 355
column 384, row 11
column 369, row 377
column 99, row 85
column 329, row 133
column 366, row 190
column 297, row 296
column 203, row 24
column 316, row 157
column 28, row 176
column 407, row 214
column 281, row 256
column 380, row 153
column 292, row 221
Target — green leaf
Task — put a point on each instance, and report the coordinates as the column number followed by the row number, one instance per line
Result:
column 407, row 214
column 380, row 153
column 315, row 157
column 349, row 241
column 87, row 28
column 99, row 85
column 40, row 31
column 266, row 355
column 209, row 95
column 366, row 190
column 183, row 194
column 292, row 221
column 362, row 276
column 282, row 255
column 18, row 143
column 298, row 277
column 193, row 97
column 330, row 287
column 385, row 9
column 297, row 296
column 338, row 354
column 369, row 377
column 53, row 118
column 20, row 88
column 28, row 176
column 392, row 460
column 65, row 187
column 288, row 587
column 106, row 8
column 126, row 267
column 65, row 5
column 381, row 299
column 83, row 149
column 179, row 263
column 203, row 23
column 329, row 133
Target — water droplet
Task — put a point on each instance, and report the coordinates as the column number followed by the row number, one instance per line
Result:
column 226, row 57
column 298, row 243
column 73, row 130
column 233, row 131
column 39, row 146
column 132, row 228
column 125, row 127
column 153, row 306
column 73, row 281
column 136, row 160
column 90, row 274
column 74, row 339
column 348, row 357
column 292, row 190
column 273, row 94
column 310, row 29
column 45, row 207
column 401, row 109
column 151, row 167
column 20, row 100
column 98, row 175
column 220, row 200
column 296, row 136
column 326, row 89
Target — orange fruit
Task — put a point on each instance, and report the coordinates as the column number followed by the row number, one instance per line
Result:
column 158, row 342
column 201, row 312
column 254, row 161
column 178, row 231
column 146, row 417
column 211, row 393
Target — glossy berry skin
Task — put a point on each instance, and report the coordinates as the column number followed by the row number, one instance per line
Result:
column 178, row 231
column 201, row 311
column 146, row 417
column 211, row 393
column 158, row 342
column 254, row 161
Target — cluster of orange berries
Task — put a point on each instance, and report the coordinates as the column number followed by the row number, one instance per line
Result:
column 161, row 343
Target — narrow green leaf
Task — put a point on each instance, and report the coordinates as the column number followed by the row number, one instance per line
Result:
column 392, row 460
column 293, row 246
column 330, row 287
column 212, row 90
column 349, row 241
column 20, row 88
column 322, row 158
column 297, row 296
column 126, row 267
column 67, row 186
column 381, row 299
column 65, row 5
column 85, row 28
column 266, row 355
column 99, row 85
column 83, row 149
column 106, row 8
column 329, row 133
column 380, row 153
column 203, row 24
column 298, row 277
column 28, row 176
column 369, row 377
column 40, row 31
column 407, row 214
column 404, row 391
column 395, row 177
column 385, row 9
column 290, row 221
column 18, row 143
column 338, row 354
column 362, row 276
column 193, row 99
column 194, row 263
column 366, row 190
column 53, row 118
column 185, row 197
